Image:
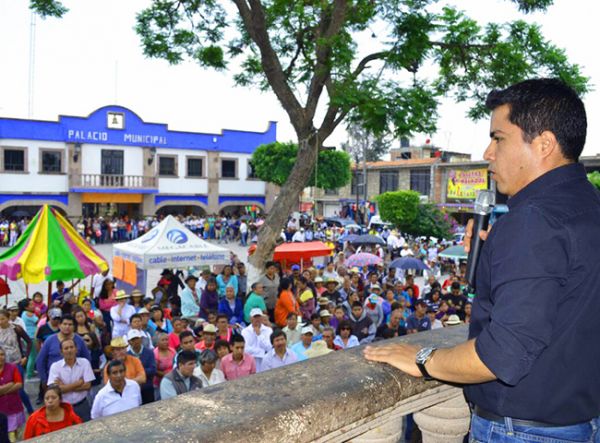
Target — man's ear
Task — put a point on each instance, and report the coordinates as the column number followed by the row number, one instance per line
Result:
column 547, row 144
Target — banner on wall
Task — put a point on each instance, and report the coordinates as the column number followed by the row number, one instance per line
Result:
column 464, row 184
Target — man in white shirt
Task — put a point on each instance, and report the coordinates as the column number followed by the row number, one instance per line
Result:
column 257, row 337
column 74, row 377
column 298, row 236
column 119, row 394
column 280, row 355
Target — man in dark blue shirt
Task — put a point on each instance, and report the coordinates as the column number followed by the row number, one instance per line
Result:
column 532, row 359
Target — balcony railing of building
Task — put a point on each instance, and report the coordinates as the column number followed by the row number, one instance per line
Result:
column 334, row 398
column 114, row 181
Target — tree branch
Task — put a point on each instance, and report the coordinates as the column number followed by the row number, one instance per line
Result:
column 253, row 17
column 328, row 27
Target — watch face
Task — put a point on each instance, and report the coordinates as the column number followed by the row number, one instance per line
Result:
column 423, row 355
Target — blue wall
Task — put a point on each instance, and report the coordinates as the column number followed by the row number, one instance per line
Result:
column 136, row 132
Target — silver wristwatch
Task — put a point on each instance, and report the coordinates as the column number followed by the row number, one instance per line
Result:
column 423, row 356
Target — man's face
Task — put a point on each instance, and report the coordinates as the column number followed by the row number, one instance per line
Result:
column 187, row 344
column 238, row 349
column 242, row 270
column 187, row 368
column 68, row 349
column 395, row 317
column 328, row 337
column 373, row 278
column 455, row 292
column 229, row 293
column 292, row 322
column 421, row 308
column 222, row 351
column 280, row 343
column 256, row 321
column 119, row 353
column 316, row 322
column 222, row 323
column 192, row 283
column 259, row 289
column 307, row 339
column 356, row 311
column 511, row 159
column 145, row 318
column 209, row 338
column 117, row 376
column 66, row 327
column 136, row 344
column 136, row 323
column 431, row 316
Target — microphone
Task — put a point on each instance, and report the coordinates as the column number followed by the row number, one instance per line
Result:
column 484, row 204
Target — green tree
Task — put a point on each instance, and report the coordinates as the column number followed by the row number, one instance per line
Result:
column 594, row 178
column 400, row 208
column 429, row 222
column 310, row 55
column 274, row 162
column 364, row 144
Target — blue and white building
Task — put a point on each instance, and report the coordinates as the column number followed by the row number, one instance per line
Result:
column 114, row 161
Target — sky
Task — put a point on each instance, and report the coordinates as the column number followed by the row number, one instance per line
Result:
column 92, row 58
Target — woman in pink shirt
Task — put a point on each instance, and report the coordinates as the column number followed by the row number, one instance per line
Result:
column 164, row 356
column 106, row 300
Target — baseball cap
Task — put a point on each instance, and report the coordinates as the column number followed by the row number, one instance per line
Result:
column 307, row 330
column 256, row 312
column 54, row 313
column 134, row 333
column 12, row 307
column 295, row 268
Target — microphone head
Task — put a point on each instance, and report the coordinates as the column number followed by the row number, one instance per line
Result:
column 485, row 201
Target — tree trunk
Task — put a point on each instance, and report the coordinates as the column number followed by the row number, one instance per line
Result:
column 270, row 231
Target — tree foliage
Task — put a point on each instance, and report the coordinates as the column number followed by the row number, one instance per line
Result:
column 309, row 53
column 400, row 208
column 363, row 143
column 594, row 178
column 273, row 163
column 404, row 210
column 48, row 8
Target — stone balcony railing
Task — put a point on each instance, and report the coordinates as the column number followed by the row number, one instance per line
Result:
column 335, row 398
column 111, row 181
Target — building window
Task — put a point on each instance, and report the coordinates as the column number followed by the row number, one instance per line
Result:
column 358, row 183
column 167, row 166
column 195, row 167
column 228, row 168
column 405, row 155
column 420, row 181
column 51, row 162
column 112, row 162
column 331, row 192
column 250, row 170
column 388, row 181
column 14, row 159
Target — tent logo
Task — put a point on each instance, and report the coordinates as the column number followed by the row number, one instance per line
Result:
column 150, row 235
column 177, row 236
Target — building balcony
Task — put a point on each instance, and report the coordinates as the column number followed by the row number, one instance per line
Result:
column 112, row 182
column 338, row 397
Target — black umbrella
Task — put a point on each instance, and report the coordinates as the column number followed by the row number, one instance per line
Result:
column 409, row 263
column 368, row 239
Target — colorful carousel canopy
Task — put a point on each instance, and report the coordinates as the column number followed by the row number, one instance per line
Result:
column 50, row 249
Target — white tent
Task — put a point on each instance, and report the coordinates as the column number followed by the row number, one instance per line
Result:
column 170, row 245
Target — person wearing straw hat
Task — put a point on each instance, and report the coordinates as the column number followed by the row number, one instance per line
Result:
column 120, row 314
column 134, row 370
column 331, row 292
column 318, row 349
column 453, row 320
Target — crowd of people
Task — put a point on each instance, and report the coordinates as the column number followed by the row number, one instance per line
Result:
column 106, row 351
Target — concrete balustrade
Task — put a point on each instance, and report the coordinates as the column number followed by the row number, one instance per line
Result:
column 334, row 398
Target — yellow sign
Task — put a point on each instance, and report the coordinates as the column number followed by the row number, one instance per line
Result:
column 464, row 184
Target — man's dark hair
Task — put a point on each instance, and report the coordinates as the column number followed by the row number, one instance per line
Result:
column 185, row 357
column 421, row 303
column 396, row 305
column 357, row 304
column 134, row 316
column 291, row 315
column 113, row 364
column 237, row 338
column 545, row 104
column 315, row 316
column 67, row 340
column 221, row 344
column 455, row 285
column 67, row 317
column 185, row 334
column 277, row 332
column 220, row 316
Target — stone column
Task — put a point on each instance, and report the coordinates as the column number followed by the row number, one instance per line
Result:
column 390, row 431
column 446, row 422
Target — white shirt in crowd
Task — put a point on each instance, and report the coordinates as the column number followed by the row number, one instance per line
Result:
column 272, row 360
column 216, row 376
column 121, row 321
column 257, row 345
column 82, row 369
column 109, row 402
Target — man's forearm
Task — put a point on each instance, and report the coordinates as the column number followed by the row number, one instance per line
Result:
column 459, row 364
